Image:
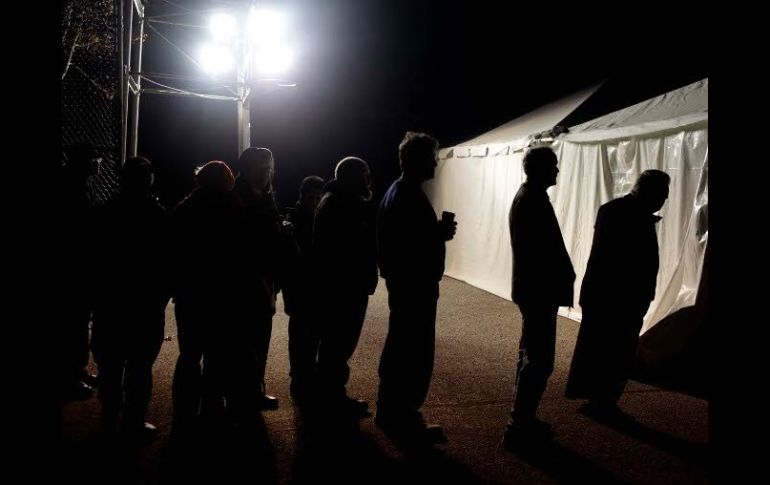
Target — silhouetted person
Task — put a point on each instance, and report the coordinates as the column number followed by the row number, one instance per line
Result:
column 345, row 252
column 298, row 294
column 76, row 265
column 207, row 226
column 129, row 315
column 617, row 289
column 543, row 280
column 411, row 252
column 261, row 268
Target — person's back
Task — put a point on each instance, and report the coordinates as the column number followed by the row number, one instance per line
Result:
column 410, row 246
column 262, row 221
column 206, row 227
column 137, row 230
column 345, row 257
column 542, row 270
column 343, row 241
column 267, row 248
column 623, row 264
column 617, row 289
column 260, row 264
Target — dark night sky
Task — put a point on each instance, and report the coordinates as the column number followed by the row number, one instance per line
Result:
column 369, row 70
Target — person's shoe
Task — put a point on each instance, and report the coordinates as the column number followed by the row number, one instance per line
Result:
column 433, row 433
column 90, row 379
column 78, row 392
column 541, row 426
column 412, row 430
column 532, row 426
column 144, row 433
column 268, row 403
column 526, row 431
column 300, row 394
column 392, row 428
column 346, row 407
column 304, row 402
column 609, row 412
column 356, row 407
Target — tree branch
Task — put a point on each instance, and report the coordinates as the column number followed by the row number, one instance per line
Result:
column 72, row 52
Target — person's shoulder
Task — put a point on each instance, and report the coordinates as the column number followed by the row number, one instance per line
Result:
column 158, row 208
column 328, row 199
column 390, row 194
column 617, row 212
column 332, row 205
column 614, row 206
column 183, row 206
column 524, row 197
column 523, row 192
column 395, row 187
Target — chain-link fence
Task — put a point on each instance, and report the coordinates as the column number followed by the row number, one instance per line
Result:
column 91, row 104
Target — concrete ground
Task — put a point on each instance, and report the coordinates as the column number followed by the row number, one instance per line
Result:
column 477, row 338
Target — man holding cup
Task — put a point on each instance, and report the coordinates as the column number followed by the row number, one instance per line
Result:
column 411, row 252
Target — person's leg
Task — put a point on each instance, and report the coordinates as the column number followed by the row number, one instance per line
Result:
column 187, row 385
column 535, row 362
column 138, row 381
column 338, row 343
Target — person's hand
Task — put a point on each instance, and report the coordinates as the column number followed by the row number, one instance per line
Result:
column 287, row 228
column 448, row 229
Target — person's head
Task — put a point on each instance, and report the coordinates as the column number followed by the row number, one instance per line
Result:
column 83, row 160
column 540, row 165
column 417, row 154
column 256, row 166
column 137, row 176
column 353, row 174
column 310, row 192
column 651, row 189
column 215, row 176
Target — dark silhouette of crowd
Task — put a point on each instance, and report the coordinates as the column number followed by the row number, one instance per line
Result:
column 223, row 254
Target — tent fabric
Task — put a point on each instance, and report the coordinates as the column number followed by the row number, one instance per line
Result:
column 683, row 231
column 688, row 102
column 669, row 132
column 674, row 353
column 541, row 119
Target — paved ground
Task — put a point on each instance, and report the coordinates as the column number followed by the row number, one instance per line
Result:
column 477, row 336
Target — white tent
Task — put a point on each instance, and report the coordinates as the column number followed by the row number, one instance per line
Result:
column 598, row 160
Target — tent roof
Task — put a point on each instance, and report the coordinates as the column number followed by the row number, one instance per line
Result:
column 536, row 121
column 680, row 107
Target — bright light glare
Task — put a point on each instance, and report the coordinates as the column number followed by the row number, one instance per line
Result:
column 266, row 26
column 216, row 59
column 223, row 27
column 273, row 59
